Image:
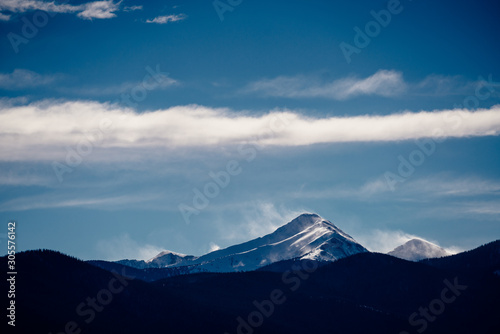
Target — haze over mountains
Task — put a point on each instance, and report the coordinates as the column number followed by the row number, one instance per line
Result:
column 308, row 236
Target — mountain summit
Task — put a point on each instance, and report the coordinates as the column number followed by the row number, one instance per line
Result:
column 306, row 237
column 418, row 249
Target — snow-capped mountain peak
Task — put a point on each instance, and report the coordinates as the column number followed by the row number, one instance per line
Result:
column 418, row 249
column 306, row 237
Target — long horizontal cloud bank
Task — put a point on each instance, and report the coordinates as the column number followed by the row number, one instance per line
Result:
column 40, row 130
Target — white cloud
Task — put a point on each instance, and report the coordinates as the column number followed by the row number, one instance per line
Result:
column 132, row 8
column 258, row 218
column 454, row 249
column 382, row 83
column 99, row 10
column 4, row 17
column 21, row 6
column 48, row 127
column 213, row 247
column 90, row 10
column 168, row 18
column 124, row 247
column 21, row 78
column 265, row 217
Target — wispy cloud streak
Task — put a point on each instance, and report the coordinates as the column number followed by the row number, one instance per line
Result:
column 168, row 19
column 382, row 83
column 22, row 79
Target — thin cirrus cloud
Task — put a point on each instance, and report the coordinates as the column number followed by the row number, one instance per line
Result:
column 132, row 8
column 25, row 79
column 161, row 82
column 421, row 189
column 22, row 78
column 484, row 208
column 429, row 188
column 48, row 126
column 446, row 187
column 382, row 83
column 91, row 10
column 47, row 201
column 168, row 19
column 385, row 83
column 11, row 179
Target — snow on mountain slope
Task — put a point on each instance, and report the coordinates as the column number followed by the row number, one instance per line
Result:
column 168, row 258
column 417, row 249
column 162, row 260
column 306, row 237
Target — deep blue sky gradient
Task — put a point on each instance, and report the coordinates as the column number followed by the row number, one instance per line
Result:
column 214, row 61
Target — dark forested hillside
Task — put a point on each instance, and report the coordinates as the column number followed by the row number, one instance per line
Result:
column 364, row 293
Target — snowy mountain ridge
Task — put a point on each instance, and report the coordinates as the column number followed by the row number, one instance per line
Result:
column 306, row 237
column 163, row 260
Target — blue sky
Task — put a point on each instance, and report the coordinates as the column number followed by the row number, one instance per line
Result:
column 131, row 127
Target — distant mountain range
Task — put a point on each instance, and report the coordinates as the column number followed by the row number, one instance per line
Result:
column 306, row 277
column 306, row 237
